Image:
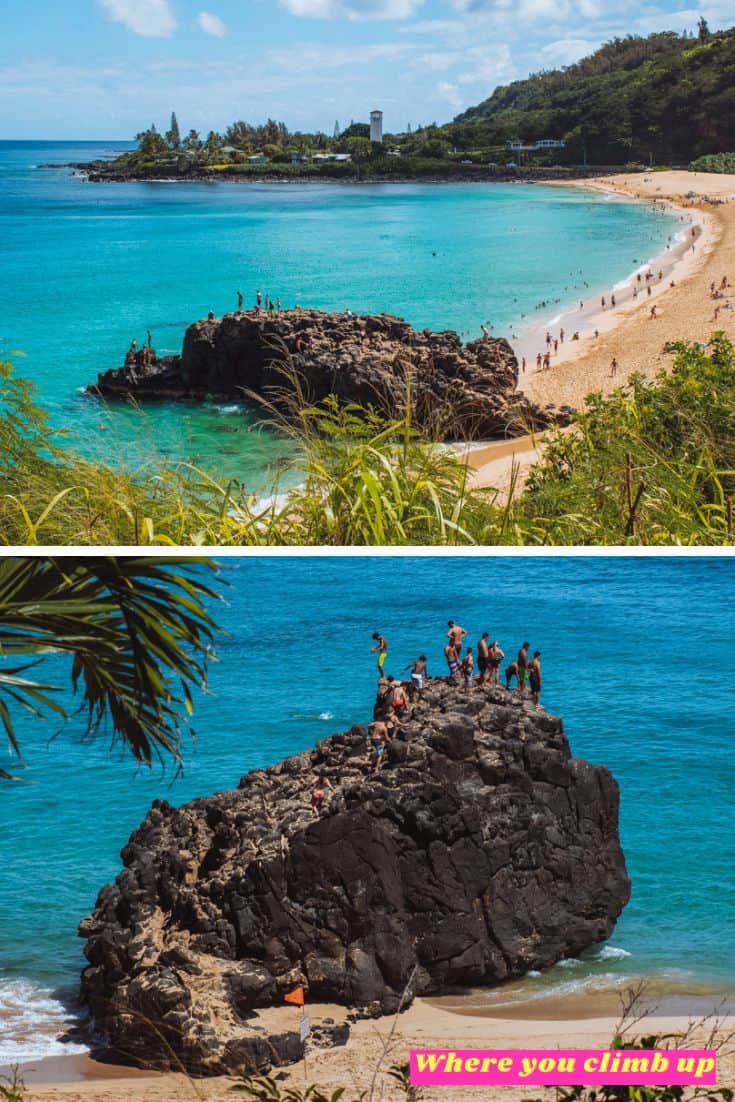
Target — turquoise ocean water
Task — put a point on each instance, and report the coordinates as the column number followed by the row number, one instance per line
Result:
column 87, row 267
column 638, row 659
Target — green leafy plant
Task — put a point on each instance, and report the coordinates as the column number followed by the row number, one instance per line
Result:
column 137, row 631
column 653, row 463
column 401, row 1074
column 12, row 1087
column 265, row 1089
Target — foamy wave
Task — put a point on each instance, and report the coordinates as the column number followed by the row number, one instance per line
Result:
column 568, row 962
column 609, row 952
column 312, row 715
column 31, row 1021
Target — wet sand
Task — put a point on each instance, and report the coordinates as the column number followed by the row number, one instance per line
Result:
column 627, row 333
column 387, row 1041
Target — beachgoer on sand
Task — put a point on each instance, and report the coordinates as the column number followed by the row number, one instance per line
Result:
column 613, row 367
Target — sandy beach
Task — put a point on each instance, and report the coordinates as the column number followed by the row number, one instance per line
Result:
column 627, row 333
column 384, row 1042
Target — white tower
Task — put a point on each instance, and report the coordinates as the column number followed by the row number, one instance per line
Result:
column 376, row 126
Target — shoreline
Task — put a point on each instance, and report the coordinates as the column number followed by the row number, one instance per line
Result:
column 104, row 172
column 425, row 1024
column 442, row 1019
column 691, row 271
column 627, row 333
column 670, row 263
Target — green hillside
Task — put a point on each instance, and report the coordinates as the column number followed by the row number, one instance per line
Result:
column 670, row 97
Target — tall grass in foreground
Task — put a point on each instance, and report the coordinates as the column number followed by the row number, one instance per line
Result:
column 653, row 463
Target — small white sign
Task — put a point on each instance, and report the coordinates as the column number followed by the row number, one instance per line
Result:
column 304, row 1027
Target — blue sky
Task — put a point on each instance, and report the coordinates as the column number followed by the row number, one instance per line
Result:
column 107, row 68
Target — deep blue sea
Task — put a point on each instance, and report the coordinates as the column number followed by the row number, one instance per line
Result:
column 638, row 659
column 88, row 267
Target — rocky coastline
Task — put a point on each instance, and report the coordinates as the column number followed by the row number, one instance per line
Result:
column 480, row 851
column 455, row 391
column 113, row 171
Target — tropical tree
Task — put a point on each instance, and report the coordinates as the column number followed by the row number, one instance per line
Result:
column 193, row 141
column 151, row 144
column 137, row 632
column 360, row 149
column 173, row 136
column 213, row 146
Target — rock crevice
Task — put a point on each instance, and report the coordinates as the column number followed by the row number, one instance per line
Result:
column 480, row 851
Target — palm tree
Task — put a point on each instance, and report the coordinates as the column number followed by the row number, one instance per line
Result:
column 138, row 634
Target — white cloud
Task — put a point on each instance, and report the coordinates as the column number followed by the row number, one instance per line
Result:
column 356, row 11
column 151, row 18
column 436, row 62
column 565, row 51
column 314, row 58
column 450, row 93
column 211, row 24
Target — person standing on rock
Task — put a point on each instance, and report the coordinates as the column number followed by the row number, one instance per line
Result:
column 456, row 635
column 398, row 699
column 239, row 302
column 418, row 672
column 378, row 736
column 381, row 646
column 496, row 657
column 534, row 674
column 522, row 662
column 450, row 653
column 319, row 794
column 149, row 338
column 483, row 657
column 511, row 671
column 258, row 301
column 468, row 667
